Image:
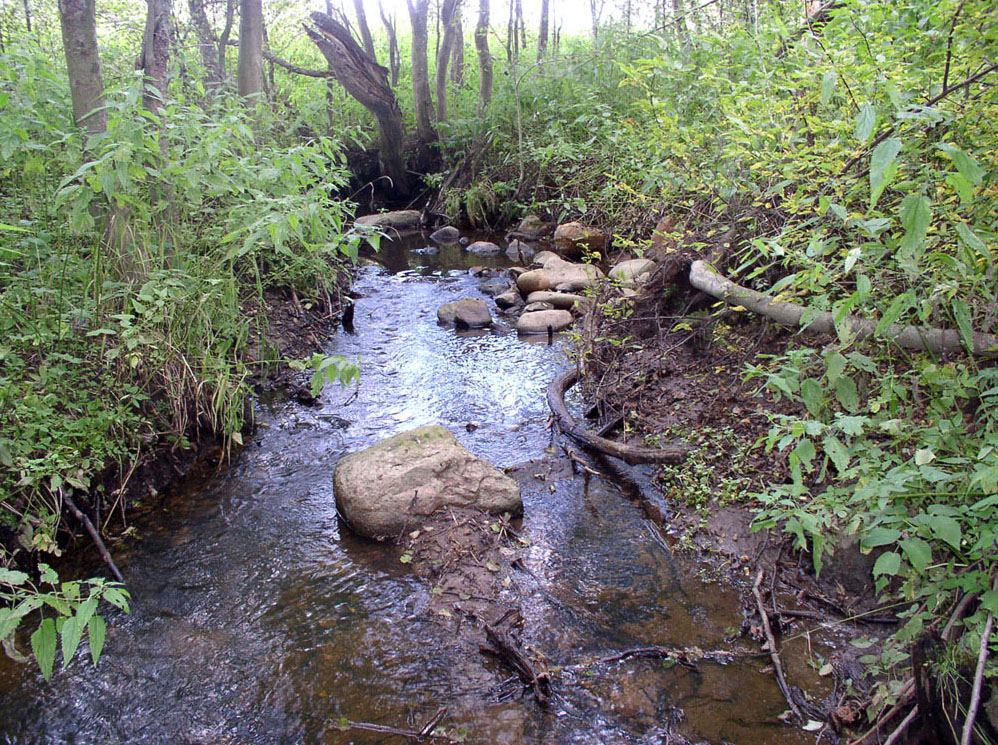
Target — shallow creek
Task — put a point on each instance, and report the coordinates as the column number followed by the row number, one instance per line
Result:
column 258, row 618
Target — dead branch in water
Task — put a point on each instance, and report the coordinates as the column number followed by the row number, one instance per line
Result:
column 424, row 734
column 628, row 453
column 94, row 536
column 508, row 651
column 773, row 652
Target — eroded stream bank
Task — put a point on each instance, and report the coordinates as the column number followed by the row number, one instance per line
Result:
column 259, row 618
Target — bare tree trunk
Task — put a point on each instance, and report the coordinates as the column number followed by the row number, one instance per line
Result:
column 521, row 25
column 155, row 58
column 86, row 84
column 366, row 81
column 484, row 58
column 223, row 39
column 422, row 100
column 457, row 51
column 510, row 35
column 447, row 13
column 249, row 72
column 596, row 11
column 206, row 42
column 365, row 32
column 394, row 58
column 542, row 36
column 27, row 15
column 269, row 86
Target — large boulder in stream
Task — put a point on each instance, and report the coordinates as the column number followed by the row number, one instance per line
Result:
column 447, row 235
column 484, row 248
column 560, row 275
column 391, row 487
column 541, row 321
column 468, row 313
column 402, row 221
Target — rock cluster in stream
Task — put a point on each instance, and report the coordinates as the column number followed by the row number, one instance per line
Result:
column 546, row 295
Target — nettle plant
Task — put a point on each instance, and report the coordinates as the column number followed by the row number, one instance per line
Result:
column 66, row 614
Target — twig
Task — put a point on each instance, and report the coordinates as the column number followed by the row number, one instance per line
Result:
column 895, row 736
column 421, row 735
column 506, row 649
column 687, row 657
column 904, row 698
column 95, row 536
column 773, row 653
column 982, row 658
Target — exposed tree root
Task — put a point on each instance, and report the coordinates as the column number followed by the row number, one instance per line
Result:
column 628, row 453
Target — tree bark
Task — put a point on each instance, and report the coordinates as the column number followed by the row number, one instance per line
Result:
column 366, row 81
column 394, row 58
column 365, row 31
column 939, row 341
column 447, row 12
column 207, row 43
column 484, row 57
column 249, row 72
column 155, row 58
column 86, row 84
column 422, row 100
column 457, row 51
column 27, row 15
column 542, row 36
column 223, row 39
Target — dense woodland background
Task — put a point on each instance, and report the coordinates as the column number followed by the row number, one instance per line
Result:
column 166, row 170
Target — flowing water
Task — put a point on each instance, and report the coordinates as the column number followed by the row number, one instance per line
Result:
column 258, row 618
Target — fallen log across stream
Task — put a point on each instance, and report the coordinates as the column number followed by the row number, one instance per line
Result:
column 630, row 454
column 706, row 278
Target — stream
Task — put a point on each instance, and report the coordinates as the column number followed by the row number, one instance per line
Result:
column 257, row 617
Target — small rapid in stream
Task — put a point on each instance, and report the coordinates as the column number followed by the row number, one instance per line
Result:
column 257, row 617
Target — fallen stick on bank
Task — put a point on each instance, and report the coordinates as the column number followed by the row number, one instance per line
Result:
column 706, row 278
column 630, row 454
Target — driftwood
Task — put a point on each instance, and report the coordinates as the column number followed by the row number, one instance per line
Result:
column 706, row 278
column 507, row 650
column 628, row 453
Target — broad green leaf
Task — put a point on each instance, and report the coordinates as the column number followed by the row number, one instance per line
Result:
column 916, row 215
column 889, row 564
column 965, row 164
column 971, row 239
column 97, row 630
column 72, row 633
column 813, row 395
column 866, row 120
column 962, row 315
column 837, row 453
column 897, row 308
column 883, row 167
column 43, row 643
column 918, row 552
column 846, row 393
column 947, row 529
column 805, row 452
column 989, row 602
column 85, row 611
column 880, row 537
column 924, row 456
column 963, row 188
column 836, row 365
column 48, row 574
column 828, row 81
column 11, row 577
